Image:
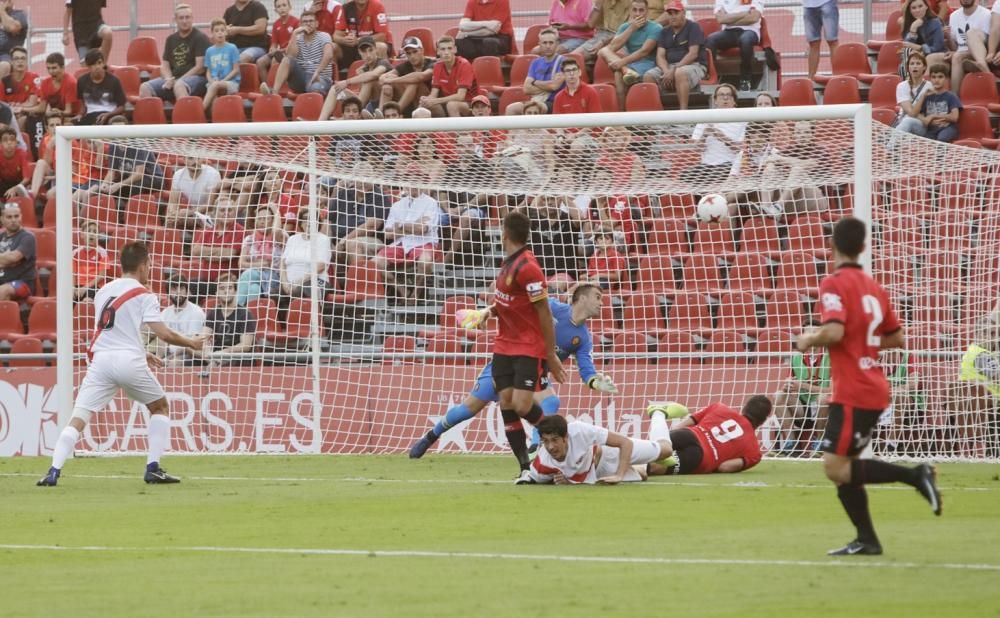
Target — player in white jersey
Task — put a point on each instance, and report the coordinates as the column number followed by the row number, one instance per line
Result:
column 580, row 453
column 118, row 360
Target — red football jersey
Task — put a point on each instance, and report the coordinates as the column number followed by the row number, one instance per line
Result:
column 20, row 92
column 850, row 296
column 520, row 285
column 12, row 170
column 281, row 31
column 491, row 10
column 461, row 75
column 724, row 434
column 584, row 101
column 364, row 22
column 62, row 96
column 328, row 16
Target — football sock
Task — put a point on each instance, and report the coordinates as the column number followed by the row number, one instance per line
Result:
column 871, row 471
column 516, row 437
column 534, row 415
column 159, row 435
column 454, row 416
column 855, row 501
column 550, row 406
column 658, row 429
column 64, row 446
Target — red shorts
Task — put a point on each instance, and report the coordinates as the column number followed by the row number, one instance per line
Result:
column 395, row 254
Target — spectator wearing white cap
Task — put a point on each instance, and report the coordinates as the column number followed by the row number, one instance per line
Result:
column 409, row 80
column 365, row 81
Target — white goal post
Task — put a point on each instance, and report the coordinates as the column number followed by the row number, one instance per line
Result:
column 330, row 392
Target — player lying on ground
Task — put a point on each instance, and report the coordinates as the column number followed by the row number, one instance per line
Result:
column 118, row 360
column 714, row 439
column 572, row 337
column 580, row 453
column 857, row 321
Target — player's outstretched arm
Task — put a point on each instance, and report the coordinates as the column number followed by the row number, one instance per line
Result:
column 822, row 337
column 549, row 334
column 624, row 446
column 172, row 337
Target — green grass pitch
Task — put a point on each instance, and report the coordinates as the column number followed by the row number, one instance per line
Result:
column 450, row 536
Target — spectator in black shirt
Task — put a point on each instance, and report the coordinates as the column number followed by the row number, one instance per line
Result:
column 229, row 329
column 131, row 171
column 101, row 93
column 553, row 238
column 17, row 256
column 357, row 214
column 247, row 28
column 410, row 79
column 464, row 210
column 13, row 30
column 89, row 29
column 182, row 70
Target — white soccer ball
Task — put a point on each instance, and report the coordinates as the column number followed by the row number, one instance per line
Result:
column 713, row 208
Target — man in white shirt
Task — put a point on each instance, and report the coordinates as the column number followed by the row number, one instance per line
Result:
column 190, row 194
column 740, row 28
column 967, row 44
column 185, row 317
column 580, row 453
column 118, row 361
column 412, row 240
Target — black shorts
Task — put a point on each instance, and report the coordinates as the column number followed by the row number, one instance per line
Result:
column 687, row 449
column 525, row 373
column 848, row 429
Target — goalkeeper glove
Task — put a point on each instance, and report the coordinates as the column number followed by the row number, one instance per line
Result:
column 471, row 319
column 670, row 409
column 602, row 382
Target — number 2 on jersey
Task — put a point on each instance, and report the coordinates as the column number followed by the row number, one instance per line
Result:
column 106, row 321
column 726, row 431
column 874, row 309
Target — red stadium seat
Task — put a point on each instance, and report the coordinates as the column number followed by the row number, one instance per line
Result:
column 978, row 89
column 902, row 230
column 774, row 341
column 249, row 80
column 798, row 271
column 882, row 93
column 701, row 272
column 974, row 123
column 42, row 320
column 189, row 110
column 806, row 233
column 307, row 106
column 228, row 108
column 268, row 108
column 50, row 211
column 796, row 91
column 893, row 31
column 714, row 239
column 644, row 313
column 633, row 344
column 102, row 208
column 143, row 211
column 452, row 305
column 760, row 235
column 149, row 111
column 784, row 310
column 738, row 312
column 27, row 205
column 143, row 53
column 841, row 89
column 519, row 69
column 678, row 342
column 399, row 344
column 129, row 77
column 677, row 205
column 265, row 312
column 10, row 320
column 602, row 72
column 656, row 273
column 668, row 237
column 887, row 62
column 643, row 97
column 609, row 98
column 531, row 39
column 453, row 348
column 849, row 59
column 27, row 345
column 750, row 272
column 489, row 73
column 885, row 116
column 426, row 37
column 364, row 282
column 726, row 348
column 689, row 311
column 45, row 248
column 514, row 94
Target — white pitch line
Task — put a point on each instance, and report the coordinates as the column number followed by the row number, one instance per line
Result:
column 361, row 479
column 378, row 553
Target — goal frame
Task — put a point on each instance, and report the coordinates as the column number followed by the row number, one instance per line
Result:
column 859, row 114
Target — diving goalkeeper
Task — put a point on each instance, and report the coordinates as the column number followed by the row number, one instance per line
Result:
column 572, row 337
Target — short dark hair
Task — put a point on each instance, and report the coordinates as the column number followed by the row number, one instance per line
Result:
column 392, row 105
column 177, row 281
column 581, row 289
column 757, row 409
column 8, row 131
column 56, row 58
column 939, row 68
column 18, row 49
column 93, row 57
column 570, row 62
column 554, row 425
column 517, row 227
column 134, row 255
column 849, row 236
column 351, row 101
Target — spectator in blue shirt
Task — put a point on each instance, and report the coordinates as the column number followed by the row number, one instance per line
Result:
column 637, row 37
column 923, row 31
column 939, row 108
column 545, row 77
column 222, row 61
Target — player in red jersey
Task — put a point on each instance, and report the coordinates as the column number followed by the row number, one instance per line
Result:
column 857, row 322
column 714, row 439
column 525, row 339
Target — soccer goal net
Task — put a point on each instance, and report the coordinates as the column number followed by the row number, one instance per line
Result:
column 326, row 263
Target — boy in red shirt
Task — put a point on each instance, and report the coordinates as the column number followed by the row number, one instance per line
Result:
column 13, row 165
column 454, row 83
column 90, row 263
column 58, row 90
column 606, row 265
column 281, row 35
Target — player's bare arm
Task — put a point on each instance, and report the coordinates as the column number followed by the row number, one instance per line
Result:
column 172, row 337
column 823, row 337
column 895, row 340
column 731, row 465
column 624, row 446
column 549, row 334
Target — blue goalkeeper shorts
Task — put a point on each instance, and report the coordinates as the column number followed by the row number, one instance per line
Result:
column 486, row 391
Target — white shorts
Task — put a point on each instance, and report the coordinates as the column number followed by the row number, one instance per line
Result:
column 110, row 371
column 643, row 452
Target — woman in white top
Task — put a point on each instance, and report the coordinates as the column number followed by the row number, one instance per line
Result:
column 909, row 91
column 260, row 256
column 303, row 254
column 722, row 142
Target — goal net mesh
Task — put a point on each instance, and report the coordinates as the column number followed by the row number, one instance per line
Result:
column 328, row 270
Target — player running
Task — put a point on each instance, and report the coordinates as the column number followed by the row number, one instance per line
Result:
column 580, row 453
column 856, row 322
column 572, row 338
column 714, row 439
column 118, row 360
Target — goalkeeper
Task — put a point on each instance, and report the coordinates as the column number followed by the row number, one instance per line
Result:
column 572, row 337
